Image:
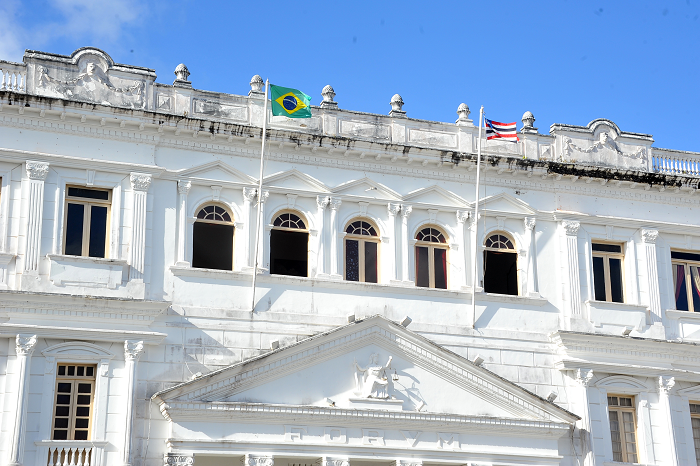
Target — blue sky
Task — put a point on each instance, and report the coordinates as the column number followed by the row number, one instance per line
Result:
column 634, row 62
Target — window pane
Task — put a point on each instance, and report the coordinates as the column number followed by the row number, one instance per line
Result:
column 63, row 399
column 81, row 435
column 500, row 272
column 607, row 247
column 695, row 287
column 599, row 278
column 82, row 423
column 60, row 435
column 74, row 229
column 212, row 246
column 82, row 411
column 289, row 252
column 352, row 260
column 83, row 399
column 370, row 262
column 98, row 231
column 422, row 270
column 615, row 436
column 84, row 388
column 89, row 193
column 62, row 411
column 688, row 256
column 440, row 263
column 680, row 287
column 63, row 387
column 616, row 280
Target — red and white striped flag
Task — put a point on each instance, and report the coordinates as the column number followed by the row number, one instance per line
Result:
column 496, row 130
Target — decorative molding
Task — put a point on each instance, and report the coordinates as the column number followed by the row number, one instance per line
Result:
column 584, row 376
column 462, row 216
column 25, row 344
column 258, row 460
column 140, row 181
column 393, row 209
column 322, row 201
column 406, row 210
column 650, row 236
column 571, row 227
column 335, row 203
column 265, row 195
column 183, row 186
column 530, row 223
column 37, row 170
column 132, row 349
column 178, row 459
column 665, row 384
column 250, row 194
column 69, row 333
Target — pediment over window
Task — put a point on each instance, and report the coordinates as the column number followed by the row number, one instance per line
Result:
column 370, row 365
column 77, row 350
column 367, row 188
column 295, row 180
column 435, row 195
column 506, row 203
column 216, row 171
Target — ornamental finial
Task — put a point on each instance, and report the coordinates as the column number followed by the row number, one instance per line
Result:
column 397, row 106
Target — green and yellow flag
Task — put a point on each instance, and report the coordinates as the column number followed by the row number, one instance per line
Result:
column 291, row 103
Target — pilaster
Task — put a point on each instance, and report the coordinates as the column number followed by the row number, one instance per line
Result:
column 132, row 353
column 531, row 286
column 37, row 173
column 583, row 379
column 461, row 258
column 140, row 183
column 393, row 210
column 571, row 230
column 665, row 384
column 334, row 204
column 405, row 246
column 244, row 233
column 321, row 203
column 183, row 189
column 649, row 240
column 262, row 246
column 24, row 347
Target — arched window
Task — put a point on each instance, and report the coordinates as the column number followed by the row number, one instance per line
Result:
column 212, row 238
column 361, row 245
column 289, row 246
column 500, row 265
column 431, row 258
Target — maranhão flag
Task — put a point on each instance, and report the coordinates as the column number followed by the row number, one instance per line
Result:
column 496, row 130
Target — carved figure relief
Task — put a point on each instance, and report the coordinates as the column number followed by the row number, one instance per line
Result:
column 605, row 146
column 92, row 84
column 372, row 381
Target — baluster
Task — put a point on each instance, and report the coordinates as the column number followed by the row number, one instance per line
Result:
column 81, row 453
column 3, row 85
column 88, row 459
column 667, row 165
column 49, row 460
column 23, row 88
column 66, row 456
column 674, row 165
column 13, row 82
column 57, row 459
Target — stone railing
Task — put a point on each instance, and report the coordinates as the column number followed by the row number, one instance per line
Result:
column 13, row 76
column 675, row 162
column 71, row 452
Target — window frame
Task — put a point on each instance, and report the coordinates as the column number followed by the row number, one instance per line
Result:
column 514, row 251
column 74, row 380
column 86, row 218
column 606, row 269
column 361, row 239
column 306, row 229
column 216, row 222
column 686, row 263
column 431, row 256
column 695, row 415
column 622, row 409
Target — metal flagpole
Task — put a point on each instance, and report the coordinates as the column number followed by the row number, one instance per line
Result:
column 475, row 259
column 260, row 181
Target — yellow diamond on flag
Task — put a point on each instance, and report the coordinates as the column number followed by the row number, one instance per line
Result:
column 290, row 102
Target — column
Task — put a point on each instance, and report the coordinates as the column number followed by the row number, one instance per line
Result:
column 36, row 172
column 571, row 230
column 583, row 379
column 178, row 459
column 393, row 210
column 405, row 246
column 263, row 228
column 472, row 267
column 334, row 204
column 665, row 386
column 649, row 240
column 24, row 346
column 531, row 288
column 248, row 196
column 258, row 460
column 139, row 183
column 132, row 353
column 321, row 202
column 461, row 259
column 183, row 188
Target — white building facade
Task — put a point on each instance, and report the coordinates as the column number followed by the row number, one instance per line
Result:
column 127, row 242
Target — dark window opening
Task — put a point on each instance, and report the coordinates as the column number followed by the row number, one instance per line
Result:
column 212, row 246
column 501, row 272
column 370, row 262
column 289, row 252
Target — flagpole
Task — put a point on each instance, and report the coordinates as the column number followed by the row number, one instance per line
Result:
column 260, row 182
column 476, row 220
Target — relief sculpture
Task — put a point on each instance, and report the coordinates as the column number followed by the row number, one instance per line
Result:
column 93, row 85
column 605, row 147
column 371, row 381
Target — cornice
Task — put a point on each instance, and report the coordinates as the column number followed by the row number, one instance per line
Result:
column 247, row 412
column 627, row 369
column 10, row 330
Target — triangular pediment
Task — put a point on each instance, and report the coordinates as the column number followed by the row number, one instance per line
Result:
column 216, row 171
column 320, row 371
column 506, row 203
column 295, row 180
column 435, row 195
column 368, row 188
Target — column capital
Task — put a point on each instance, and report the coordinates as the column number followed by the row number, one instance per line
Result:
column 183, row 186
column 406, row 210
column 666, row 384
column 584, row 376
column 393, row 209
column 265, row 195
column 649, row 236
column 335, row 203
column 25, row 344
column 571, row 227
column 37, row 170
column 322, row 201
column 140, row 181
column 530, row 223
column 178, row 459
column 132, row 349
column 249, row 193
column 462, row 216
column 258, row 460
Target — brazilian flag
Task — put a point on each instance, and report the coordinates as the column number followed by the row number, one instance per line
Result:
column 291, row 103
